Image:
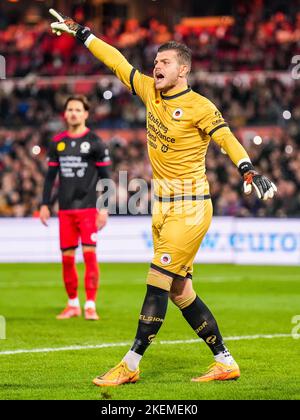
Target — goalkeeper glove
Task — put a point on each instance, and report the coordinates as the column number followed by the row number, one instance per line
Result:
column 67, row 25
column 263, row 187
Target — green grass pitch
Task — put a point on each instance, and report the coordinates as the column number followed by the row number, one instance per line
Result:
column 246, row 300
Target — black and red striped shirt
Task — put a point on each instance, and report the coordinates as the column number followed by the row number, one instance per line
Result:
column 78, row 159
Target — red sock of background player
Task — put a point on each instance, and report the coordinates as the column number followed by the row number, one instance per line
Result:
column 70, row 279
column 91, row 278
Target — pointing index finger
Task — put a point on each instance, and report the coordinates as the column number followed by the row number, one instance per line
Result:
column 56, row 15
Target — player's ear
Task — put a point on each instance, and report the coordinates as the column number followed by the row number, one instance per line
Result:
column 184, row 70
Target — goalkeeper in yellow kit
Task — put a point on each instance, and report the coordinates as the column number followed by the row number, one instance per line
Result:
column 180, row 125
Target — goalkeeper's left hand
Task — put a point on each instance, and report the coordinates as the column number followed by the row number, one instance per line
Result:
column 69, row 26
column 263, row 187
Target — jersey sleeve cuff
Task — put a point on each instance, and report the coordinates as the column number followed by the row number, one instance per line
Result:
column 89, row 40
column 107, row 163
column 132, row 73
column 217, row 128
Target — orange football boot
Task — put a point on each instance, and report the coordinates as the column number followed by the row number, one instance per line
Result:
column 219, row 372
column 118, row 375
column 90, row 314
column 69, row 312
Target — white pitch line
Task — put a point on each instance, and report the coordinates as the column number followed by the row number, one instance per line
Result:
column 163, row 342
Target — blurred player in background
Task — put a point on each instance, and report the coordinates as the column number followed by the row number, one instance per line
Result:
column 180, row 124
column 81, row 159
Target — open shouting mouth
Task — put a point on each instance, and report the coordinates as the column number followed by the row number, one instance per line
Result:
column 159, row 77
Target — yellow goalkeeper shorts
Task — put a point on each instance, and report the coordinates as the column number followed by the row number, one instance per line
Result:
column 178, row 228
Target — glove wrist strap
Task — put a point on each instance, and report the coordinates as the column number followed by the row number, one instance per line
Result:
column 245, row 167
column 83, row 33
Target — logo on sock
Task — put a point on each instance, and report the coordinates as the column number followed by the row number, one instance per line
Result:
column 151, row 338
column 211, row 340
column 202, row 326
column 150, row 318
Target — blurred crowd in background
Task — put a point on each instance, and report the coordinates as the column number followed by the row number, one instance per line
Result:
column 38, row 111
column 253, row 42
column 31, row 112
column 256, row 102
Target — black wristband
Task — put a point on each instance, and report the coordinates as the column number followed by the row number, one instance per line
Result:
column 245, row 167
column 83, row 33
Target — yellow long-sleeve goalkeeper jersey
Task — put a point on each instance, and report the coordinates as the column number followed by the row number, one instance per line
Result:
column 179, row 128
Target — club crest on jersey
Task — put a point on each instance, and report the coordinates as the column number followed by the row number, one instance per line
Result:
column 177, row 113
column 61, row 146
column 165, row 259
column 85, row 147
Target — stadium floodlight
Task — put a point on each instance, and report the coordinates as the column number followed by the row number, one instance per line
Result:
column 36, row 150
column 287, row 115
column 107, row 95
column 257, row 140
